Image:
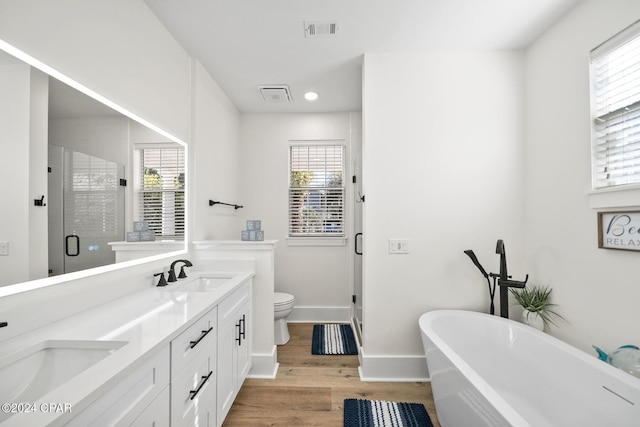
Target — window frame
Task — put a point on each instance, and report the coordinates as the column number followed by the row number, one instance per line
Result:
column 603, row 147
column 322, row 238
column 179, row 225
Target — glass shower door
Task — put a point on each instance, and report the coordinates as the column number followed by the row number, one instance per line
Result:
column 90, row 212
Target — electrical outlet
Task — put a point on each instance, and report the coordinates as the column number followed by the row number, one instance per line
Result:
column 398, row 246
column 4, row 248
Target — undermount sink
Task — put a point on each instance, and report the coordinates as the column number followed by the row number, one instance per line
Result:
column 203, row 284
column 31, row 373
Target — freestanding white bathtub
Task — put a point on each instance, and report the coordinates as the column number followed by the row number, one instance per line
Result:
column 490, row 371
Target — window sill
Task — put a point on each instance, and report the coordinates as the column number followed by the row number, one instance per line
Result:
column 316, row 241
column 605, row 198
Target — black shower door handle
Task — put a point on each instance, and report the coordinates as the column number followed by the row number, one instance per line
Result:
column 355, row 244
column 66, row 244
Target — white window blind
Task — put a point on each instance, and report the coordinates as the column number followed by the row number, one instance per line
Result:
column 91, row 199
column 160, row 187
column 316, row 190
column 615, row 91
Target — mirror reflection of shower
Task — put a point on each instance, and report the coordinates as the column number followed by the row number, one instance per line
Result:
column 86, row 210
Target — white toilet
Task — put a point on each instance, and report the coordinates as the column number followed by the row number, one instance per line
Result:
column 282, row 307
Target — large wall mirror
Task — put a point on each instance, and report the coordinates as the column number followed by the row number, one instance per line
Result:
column 100, row 187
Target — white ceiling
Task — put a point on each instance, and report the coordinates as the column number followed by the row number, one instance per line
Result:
column 247, row 43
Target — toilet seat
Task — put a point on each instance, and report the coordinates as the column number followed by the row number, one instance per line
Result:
column 282, row 299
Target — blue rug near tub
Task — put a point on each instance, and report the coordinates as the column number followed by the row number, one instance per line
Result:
column 333, row 339
column 379, row 413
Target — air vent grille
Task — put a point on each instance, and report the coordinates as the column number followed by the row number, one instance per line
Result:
column 320, row 28
column 275, row 93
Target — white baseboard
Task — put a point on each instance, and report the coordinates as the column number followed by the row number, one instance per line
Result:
column 264, row 365
column 393, row 368
column 320, row 315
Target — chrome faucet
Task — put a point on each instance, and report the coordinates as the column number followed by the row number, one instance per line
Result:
column 504, row 280
column 172, row 270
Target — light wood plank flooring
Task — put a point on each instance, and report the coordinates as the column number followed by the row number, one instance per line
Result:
column 309, row 390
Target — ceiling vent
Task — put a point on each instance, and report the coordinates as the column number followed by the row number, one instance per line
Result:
column 320, row 28
column 275, row 94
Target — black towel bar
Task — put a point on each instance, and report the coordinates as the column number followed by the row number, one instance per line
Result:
column 211, row 203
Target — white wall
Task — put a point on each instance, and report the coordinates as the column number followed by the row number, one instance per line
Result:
column 596, row 289
column 318, row 277
column 38, row 227
column 104, row 137
column 443, row 167
column 215, row 160
column 14, row 155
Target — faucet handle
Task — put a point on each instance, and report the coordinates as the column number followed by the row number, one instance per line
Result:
column 514, row 283
column 162, row 281
column 182, row 274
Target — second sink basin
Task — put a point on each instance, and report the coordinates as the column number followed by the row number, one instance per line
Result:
column 31, row 373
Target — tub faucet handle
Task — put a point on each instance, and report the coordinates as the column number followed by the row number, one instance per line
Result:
column 513, row 283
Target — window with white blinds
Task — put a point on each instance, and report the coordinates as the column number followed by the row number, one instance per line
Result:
column 160, row 189
column 615, row 92
column 316, row 190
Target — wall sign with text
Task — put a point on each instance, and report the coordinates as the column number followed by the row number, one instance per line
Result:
column 619, row 230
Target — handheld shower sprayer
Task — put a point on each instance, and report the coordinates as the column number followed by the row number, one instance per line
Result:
column 475, row 261
column 492, row 292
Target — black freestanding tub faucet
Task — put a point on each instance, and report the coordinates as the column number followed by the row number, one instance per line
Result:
column 504, row 280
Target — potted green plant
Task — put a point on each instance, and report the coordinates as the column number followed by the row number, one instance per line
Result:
column 537, row 307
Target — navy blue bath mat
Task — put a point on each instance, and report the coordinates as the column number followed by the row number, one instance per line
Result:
column 334, row 339
column 379, row 413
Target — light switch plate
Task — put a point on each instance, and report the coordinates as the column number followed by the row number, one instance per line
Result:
column 398, row 246
column 4, row 248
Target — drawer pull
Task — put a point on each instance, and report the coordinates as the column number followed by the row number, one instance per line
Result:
column 204, row 334
column 244, row 326
column 195, row 392
column 241, row 325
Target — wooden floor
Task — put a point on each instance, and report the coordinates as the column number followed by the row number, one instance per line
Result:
column 309, row 390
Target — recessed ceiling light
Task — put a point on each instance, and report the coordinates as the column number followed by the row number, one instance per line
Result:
column 310, row 96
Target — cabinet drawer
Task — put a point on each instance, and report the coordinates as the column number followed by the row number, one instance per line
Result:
column 123, row 403
column 157, row 413
column 193, row 390
column 228, row 306
column 186, row 345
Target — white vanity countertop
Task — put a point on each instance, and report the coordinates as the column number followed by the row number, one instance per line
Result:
column 147, row 320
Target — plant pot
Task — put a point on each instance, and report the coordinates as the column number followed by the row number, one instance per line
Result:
column 532, row 319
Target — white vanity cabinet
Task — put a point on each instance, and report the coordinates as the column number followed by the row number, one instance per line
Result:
column 234, row 347
column 140, row 399
column 183, row 365
column 193, row 374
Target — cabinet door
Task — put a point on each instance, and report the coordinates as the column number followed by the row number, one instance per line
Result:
column 243, row 347
column 226, row 368
column 193, row 391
